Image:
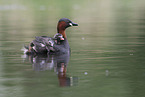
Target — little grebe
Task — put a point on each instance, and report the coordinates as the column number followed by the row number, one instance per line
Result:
column 56, row 45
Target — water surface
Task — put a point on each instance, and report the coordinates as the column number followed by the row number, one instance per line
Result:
column 107, row 49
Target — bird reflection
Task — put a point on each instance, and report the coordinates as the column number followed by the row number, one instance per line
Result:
column 57, row 62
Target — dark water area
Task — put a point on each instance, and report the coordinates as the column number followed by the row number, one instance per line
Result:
column 107, row 49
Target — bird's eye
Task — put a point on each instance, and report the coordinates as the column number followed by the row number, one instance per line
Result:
column 70, row 24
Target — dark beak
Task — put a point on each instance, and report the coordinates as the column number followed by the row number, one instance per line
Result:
column 74, row 24
column 61, row 38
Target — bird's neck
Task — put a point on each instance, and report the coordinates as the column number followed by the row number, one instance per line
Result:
column 63, row 33
column 61, row 28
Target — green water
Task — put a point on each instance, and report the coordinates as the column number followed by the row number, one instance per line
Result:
column 107, row 48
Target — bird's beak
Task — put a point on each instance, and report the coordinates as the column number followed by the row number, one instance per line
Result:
column 74, row 24
column 61, row 38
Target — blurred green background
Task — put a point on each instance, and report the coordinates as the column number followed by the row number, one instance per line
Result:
column 107, row 48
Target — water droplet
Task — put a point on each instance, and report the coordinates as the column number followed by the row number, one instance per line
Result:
column 83, row 38
column 86, row 73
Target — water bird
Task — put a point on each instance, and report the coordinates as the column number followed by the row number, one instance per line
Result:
column 48, row 45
